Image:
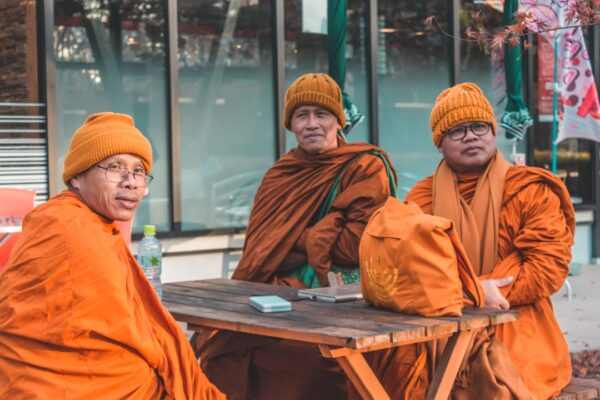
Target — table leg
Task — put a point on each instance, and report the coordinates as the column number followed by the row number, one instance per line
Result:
column 449, row 364
column 359, row 373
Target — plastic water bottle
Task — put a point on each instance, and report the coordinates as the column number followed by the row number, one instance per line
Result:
column 149, row 257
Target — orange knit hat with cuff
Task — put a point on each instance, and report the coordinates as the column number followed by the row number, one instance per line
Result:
column 461, row 103
column 314, row 90
column 103, row 135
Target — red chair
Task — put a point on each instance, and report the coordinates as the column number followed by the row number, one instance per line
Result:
column 14, row 204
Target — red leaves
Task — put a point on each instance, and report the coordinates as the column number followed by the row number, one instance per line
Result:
column 499, row 39
column 575, row 12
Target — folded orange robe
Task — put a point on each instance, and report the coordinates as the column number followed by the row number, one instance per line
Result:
column 79, row 320
column 277, row 240
column 534, row 239
column 279, row 237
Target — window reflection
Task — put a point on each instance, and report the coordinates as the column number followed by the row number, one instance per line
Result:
column 574, row 163
column 413, row 68
column 306, row 51
column 226, row 100
column 110, row 56
column 485, row 67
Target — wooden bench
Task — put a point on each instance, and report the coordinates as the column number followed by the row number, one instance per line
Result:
column 581, row 389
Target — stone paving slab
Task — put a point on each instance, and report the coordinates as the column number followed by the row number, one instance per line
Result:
column 579, row 318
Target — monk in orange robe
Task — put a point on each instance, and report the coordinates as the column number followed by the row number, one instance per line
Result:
column 78, row 318
column 516, row 224
column 293, row 239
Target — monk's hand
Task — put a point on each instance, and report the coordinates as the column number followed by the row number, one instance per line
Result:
column 493, row 297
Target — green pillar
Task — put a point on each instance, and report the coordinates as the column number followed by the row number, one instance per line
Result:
column 516, row 118
column 336, row 50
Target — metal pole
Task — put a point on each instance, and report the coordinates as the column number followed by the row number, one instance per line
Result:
column 555, row 106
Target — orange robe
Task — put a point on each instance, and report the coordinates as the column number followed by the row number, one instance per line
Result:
column 534, row 238
column 79, row 320
column 277, row 240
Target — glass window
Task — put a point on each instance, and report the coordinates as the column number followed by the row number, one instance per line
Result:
column 575, row 164
column 110, row 56
column 227, row 108
column 413, row 68
column 485, row 67
column 306, row 51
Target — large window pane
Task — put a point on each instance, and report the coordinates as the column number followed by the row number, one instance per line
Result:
column 227, row 111
column 413, row 68
column 485, row 67
column 111, row 57
column 575, row 164
column 306, row 51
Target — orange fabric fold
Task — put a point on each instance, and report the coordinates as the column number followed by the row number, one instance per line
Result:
column 535, row 232
column 280, row 238
column 78, row 318
column 477, row 222
column 414, row 263
column 290, row 195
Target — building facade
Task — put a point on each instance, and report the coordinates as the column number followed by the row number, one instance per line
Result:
column 205, row 80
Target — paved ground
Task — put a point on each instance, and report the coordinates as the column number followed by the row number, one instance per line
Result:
column 579, row 318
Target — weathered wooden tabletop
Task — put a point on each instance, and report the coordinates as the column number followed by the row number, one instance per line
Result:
column 223, row 304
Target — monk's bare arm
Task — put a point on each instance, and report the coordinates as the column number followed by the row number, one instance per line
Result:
column 540, row 258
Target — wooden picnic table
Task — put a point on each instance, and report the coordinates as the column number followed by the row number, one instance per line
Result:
column 342, row 331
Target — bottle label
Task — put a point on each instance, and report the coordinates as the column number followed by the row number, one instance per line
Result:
column 152, row 260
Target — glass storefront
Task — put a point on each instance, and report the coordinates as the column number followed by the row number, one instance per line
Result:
column 486, row 67
column 575, row 164
column 413, row 67
column 226, row 108
column 111, row 57
column 306, row 51
column 115, row 56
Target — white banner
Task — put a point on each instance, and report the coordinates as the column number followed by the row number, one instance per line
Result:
column 579, row 109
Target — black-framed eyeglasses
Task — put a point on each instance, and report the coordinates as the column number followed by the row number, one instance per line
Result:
column 478, row 129
column 116, row 173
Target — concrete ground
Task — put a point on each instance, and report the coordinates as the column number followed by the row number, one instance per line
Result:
column 579, row 318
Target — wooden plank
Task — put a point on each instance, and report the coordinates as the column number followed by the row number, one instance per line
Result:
column 445, row 373
column 334, row 352
column 433, row 326
column 348, row 312
column 243, row 318
column 242, row 288
column 496, row 316
column 475, row 318
column 362, row 377
column 232, row 294
column 593, row 383
column 565, row 396
column 237, row 287
column 402, row 328
column 307, row 312
column 577, row 392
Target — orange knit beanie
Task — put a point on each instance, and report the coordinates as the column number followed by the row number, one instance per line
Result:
column 314, row 90
column 103, row 135
column 459, row 104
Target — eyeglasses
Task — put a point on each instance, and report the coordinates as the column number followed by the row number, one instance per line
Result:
column 116, row 173
column 478, row 129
